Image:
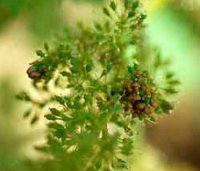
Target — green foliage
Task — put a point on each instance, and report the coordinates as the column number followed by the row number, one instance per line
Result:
column 82, row 79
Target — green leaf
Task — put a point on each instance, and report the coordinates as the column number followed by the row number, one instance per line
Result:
column 116, row 108
column 68, row 101
column 55, row 112
column 106, row 12
column 88, row 98
column 27, row 113
column 126, row 4
column 143, row 16
column 131, row 69
column 65, row 73
column 170, row 75
column 98, row 26
column 75, row 61
column 46, row 46
column 127, row 146
column 40, row 53
column 113, row 5
column 60, row 100
column 135, row 4
column 122, row 164
column 50, row 117
column 131, row 14
column 23, row 96
column 76, row 104
column 43, row 149
column 147, row 100
column 59, row 114
column 166, row 106
column 170, row 90
column 109, row 66
column 89, row 65
column 174, row 82
column 34, row 120
column 74, row 69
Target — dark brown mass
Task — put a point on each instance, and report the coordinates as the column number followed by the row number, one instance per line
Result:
column 139, row 94
column 35, row 74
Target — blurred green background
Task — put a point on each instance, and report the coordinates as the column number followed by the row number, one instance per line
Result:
column 173, row 25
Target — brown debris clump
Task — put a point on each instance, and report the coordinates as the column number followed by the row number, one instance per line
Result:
column 35, row 74
column 139, row 94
